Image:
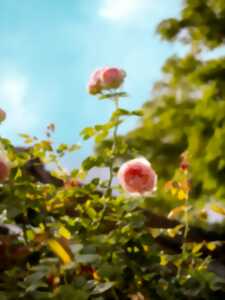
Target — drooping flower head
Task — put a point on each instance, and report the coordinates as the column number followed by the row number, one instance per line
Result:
column 4, row 166
column 137, row 177
column 2, row 115
column 105, row 79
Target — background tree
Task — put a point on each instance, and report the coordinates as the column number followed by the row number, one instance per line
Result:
column 187, row 109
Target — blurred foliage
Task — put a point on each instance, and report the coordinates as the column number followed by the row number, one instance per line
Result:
column 70, row 240
column 186, row 111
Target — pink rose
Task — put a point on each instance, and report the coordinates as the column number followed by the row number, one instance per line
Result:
column 106, row 78
column 4, row 166
column 94, row 85
column 2, row 115
column 137, row 177
column 112, row 78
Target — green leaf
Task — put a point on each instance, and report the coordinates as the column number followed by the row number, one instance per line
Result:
column 138, row 113
column 68, row 292
column 87, row 258
column 100, row 137
column 87, row 133
column 112, row 96
column 62, row 148
column 59, row 250
column 92, row 161
column 76, row 248
column 91, row 213
column 102, row 288
column 3, row 296
column 74, row 147
column 218, row 209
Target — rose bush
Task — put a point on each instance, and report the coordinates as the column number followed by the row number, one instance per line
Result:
column 64, row 238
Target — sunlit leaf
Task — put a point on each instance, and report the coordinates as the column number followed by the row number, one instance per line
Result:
column 172, row 232
column 177, row 210
column 102, row 287
column 155, row 232
column 197, row 247
column 182, row 195
column 64, row 232
column 211, row 246
column 59, row 250
column 163, row 260
column 218, row 209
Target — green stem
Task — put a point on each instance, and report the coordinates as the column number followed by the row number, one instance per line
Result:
column 115, row 131
column 186, row 223
column 25, row 234
column 186, row 230
column 186, row 227
column 108, row 192
column 114, row 294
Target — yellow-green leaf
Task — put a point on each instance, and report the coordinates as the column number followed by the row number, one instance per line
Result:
column 155, row 232
column 58, row 249
column 63, row 232
column 163, row 260
column 218, row 209
column 197, row 247
column 18, row 174
column 182, row 195
column 211, row 246
column 177, row 210
column 174, row 231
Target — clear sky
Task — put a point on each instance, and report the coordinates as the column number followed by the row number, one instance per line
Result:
column 48, row 48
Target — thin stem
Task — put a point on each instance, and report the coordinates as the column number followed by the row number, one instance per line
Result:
column 108, row 191
column 25, row 234
column 186, row 227
column 114, row 294
column 186, row 230
column 115, row 131
column 186, row 221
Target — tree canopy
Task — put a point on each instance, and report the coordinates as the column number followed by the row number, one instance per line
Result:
column 186, row 111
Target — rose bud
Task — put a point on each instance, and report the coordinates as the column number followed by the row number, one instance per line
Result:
column 4, row 166
column 94, row 85
column 137, row 177
column 2, row 115
column 112, row 78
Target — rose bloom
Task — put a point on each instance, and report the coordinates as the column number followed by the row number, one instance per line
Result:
column 94, row 85
column 4, row 166
column 112, row 78
column 137, row 177
column 104, row 79
column 2, row 115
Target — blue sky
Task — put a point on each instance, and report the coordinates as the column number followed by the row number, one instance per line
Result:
column 50, row 47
